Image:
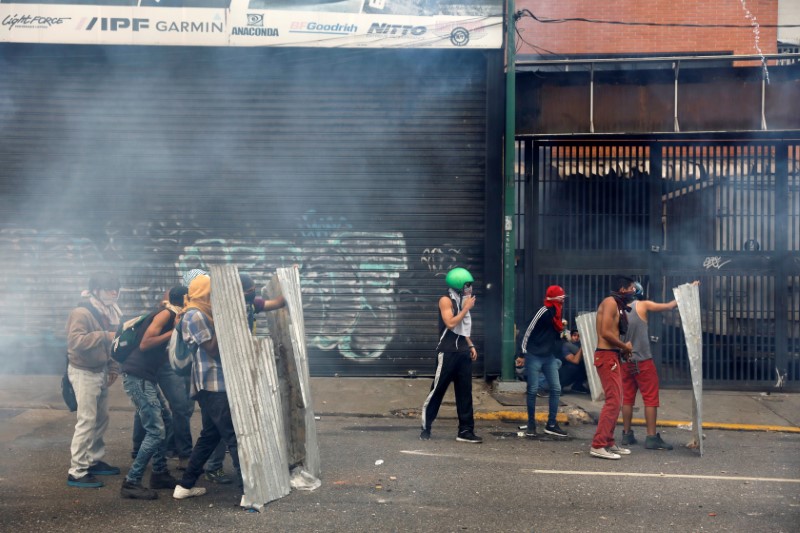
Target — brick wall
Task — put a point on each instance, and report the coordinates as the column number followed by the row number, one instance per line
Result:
column 572, row 38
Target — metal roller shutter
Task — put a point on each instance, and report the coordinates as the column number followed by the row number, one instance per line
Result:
column 366, row 168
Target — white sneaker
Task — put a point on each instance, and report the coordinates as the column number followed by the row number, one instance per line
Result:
column 602, row 453
column 182, row 493
column 620, row 451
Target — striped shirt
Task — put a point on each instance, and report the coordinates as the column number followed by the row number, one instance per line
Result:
column 206, row 371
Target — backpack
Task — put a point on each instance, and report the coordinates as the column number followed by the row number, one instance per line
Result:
column 180, row 353
column 129, row 336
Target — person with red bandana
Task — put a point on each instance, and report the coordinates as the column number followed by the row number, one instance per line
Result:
column 539, row 350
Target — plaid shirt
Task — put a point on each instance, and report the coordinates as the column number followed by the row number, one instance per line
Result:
column 206, row 371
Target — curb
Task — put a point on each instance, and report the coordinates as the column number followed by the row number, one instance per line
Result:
column 562, row 418
column 718, row 425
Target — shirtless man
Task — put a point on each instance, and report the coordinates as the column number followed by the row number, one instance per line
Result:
column 612, row 323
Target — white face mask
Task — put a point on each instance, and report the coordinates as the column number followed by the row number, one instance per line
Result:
column 108, row 298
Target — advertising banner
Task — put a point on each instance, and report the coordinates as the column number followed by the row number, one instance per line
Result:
column 303, row 23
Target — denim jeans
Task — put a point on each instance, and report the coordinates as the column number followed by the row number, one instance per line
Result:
column 181, row 407
column 150, row 404
column 91, row 392
column 217, row 425
column 543, row 380
column 549, row 366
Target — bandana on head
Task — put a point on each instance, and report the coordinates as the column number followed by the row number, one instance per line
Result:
column 554, row 297
column 199, row 296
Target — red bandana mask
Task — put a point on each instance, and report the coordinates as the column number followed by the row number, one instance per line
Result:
column 554, row 297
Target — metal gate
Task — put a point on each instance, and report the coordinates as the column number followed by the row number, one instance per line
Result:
column 723, row 209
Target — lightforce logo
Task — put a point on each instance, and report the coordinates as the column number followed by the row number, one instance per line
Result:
column 329, row 29
column 255, row 27
column 32, row 21
column 137, row 24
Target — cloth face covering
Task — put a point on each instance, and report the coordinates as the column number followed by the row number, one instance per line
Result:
column 554, row 297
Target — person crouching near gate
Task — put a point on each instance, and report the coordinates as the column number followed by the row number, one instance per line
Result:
column 539, row 348
column 140, row 381
column 455, row 354
column 208, row 388
column 612, row 324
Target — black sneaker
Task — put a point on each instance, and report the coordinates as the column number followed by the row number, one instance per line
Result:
column 470, row 437
column 654, row 442
column 135, row 491
column 555, row 430
column 425, row 434
column 86, row 481
column 628, row 438
column 162, row 480
column 218, row 476
column 103, row 469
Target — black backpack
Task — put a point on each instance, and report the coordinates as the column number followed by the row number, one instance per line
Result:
column 129, row 336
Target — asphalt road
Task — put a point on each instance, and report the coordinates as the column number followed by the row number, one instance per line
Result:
column 377, row 476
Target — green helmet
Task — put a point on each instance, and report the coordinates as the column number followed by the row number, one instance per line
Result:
column 458, row 277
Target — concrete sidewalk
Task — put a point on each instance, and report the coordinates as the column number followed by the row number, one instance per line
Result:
column 387, row 397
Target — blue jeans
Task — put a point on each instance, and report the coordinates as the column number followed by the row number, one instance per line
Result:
column 543, row 379
column 179, row 433
column 549, row 366
column 150, row 404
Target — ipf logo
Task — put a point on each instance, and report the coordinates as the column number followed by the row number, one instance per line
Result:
column 255, row 20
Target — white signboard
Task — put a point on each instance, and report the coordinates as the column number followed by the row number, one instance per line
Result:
column 304, row 23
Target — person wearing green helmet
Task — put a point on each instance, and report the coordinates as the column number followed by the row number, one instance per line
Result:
column 455, row 354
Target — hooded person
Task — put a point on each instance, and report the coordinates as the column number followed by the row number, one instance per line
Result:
column 540, row 348
column 91, row 328
column 455, row 354
column 207, row 387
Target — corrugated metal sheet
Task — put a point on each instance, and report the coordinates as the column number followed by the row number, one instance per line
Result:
column 688, row 298
column 251, row 381
column 365, row 168
column 587, row 327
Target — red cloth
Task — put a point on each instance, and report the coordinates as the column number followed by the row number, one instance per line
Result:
column 554, row 297
column 610, row 371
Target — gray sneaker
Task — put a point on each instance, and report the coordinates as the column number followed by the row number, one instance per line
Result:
column 619, row 451
column 603, row 453
column 654, row 442
column 628, row 438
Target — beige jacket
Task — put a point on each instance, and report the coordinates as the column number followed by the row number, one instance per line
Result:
column 88, row 344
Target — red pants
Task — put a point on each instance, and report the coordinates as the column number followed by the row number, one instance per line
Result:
column 609, row 370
